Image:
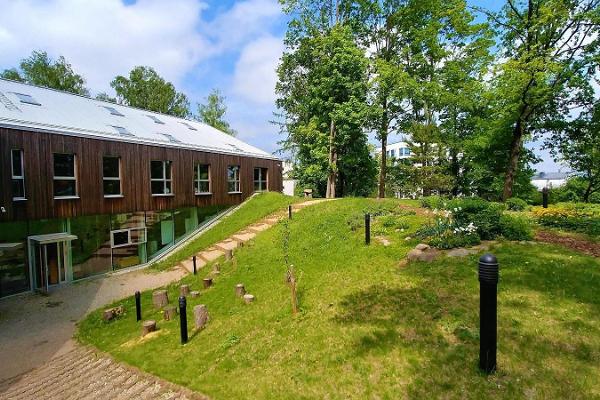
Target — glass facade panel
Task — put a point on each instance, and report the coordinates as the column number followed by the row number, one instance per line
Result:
column 91, row 253
column 160, row 232
column 14, row 271
column 186, row 221
column 135, row 254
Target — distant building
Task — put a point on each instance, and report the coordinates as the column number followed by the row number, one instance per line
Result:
column 88, row 187
column 549, row 180
column 397, row 150
column 289, row 184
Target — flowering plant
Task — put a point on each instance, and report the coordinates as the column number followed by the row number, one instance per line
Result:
column 445, row 232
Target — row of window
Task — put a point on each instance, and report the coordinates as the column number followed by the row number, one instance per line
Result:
column 161, row 177
column 403, row 151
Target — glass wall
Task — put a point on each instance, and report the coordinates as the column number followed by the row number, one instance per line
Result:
column 160, row 231
column 186, row 222
column 130, row 252
column 14, row 272
column 91, row 252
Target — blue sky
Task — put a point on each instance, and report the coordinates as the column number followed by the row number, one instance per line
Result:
column 197, row 44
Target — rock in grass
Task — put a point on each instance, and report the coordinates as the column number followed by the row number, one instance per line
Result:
column 422, row 246
column 148, row 326
column 160, row 298
column 460, row 252
column 200, row 316
column 414, row 255
column 108, row 315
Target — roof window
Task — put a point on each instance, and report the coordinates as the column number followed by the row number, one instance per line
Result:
column 171, row 138
column 155, row 119
column 113, row 111
column 122, row 131
column 190, row 127
column 27, row 99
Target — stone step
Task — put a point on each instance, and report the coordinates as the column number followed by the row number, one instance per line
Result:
column 257, row 228
column 228, row 244
column 210, row 255
column 188, row 264
column 243, row 236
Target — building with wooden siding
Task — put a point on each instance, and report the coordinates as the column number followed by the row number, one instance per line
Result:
column 87, row 186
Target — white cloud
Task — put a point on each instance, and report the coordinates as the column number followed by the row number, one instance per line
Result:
column 104, row 38
column 255, row 71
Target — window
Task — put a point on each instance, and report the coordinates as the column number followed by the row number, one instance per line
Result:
column 27, row 99
column 260, row 179
column 111, row 178
column 113, row 111
column 160, row 178
column 170, row 138
column 65, row 175
column 233, row 179
column 127, row 237
column 202, row 181
column 18, row 175
column 392, row 153
column 122, row 131
column 155, row 119
column 190, row 127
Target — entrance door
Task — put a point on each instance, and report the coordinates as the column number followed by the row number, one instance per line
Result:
column 50, row 265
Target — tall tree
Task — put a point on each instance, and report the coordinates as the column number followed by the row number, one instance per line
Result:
column 144, row 88
column 40, row 69
column 323, row 88
column 213, row 111
column 545, row 44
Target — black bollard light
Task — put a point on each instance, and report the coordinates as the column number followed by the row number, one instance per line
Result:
column 290, row 211
column 367, row 228
column 488, row 312
column 138, row 306
column 545, row 197
column 194, row 262
column 183, row 319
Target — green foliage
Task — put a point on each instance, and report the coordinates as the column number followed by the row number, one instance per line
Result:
column 483, row 214
column 451, row 240
column 145, row 89
column 576, row 217
column 212, row 113
column 434, row 202
column 516, row 204
column 514, row 227
column 41, row 70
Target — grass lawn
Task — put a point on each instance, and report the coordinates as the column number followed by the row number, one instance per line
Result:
column 369, row 329
column 251, row 211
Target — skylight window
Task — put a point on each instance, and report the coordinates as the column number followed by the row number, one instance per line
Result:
column 27, row 99
column 122, row 131
column 113, row 111
column 190, row 127
column 171, row 138
column 156, row 120
column 233, row 146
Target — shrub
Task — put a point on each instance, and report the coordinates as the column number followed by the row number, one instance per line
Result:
column 577, row 217
column 433, row 202
column 450, row 240
column 515, row 227
column 516, row 204
column 483, row 214
column 446, row 233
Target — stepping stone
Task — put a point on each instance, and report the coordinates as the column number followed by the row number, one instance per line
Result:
column 272, row 221
column 243, row 236
column 258, row 228
column 210, row 255
column 227, row 245
column 188, row 264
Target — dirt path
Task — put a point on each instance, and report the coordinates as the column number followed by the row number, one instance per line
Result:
column 42, row 327
column 571, row 242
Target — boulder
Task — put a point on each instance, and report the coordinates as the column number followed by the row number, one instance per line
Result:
column 460, row 252
column 422, row 246
column 414, row 254
column 429, row 255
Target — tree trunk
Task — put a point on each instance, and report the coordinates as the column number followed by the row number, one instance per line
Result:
column 588, row 191
column 513, row 162
column 383, row 134
column 331, row 178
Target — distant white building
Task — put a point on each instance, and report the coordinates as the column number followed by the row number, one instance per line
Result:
column 396, row 150
column 549, row 180
column 289, row 184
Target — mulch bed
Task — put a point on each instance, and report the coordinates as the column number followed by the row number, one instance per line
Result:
column 578, row 244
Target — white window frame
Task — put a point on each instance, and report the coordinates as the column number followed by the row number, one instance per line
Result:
column 18, row 177
column 197, row 179
column 66, row 178
column 110, row 178
column 129, row 241
column 235, row 180
column 164, row 179
column 265, row 181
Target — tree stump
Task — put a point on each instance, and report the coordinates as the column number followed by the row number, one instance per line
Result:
column 148, row 326
column 184, row 290
column 207, row 282
column 200, row 316
column 108, row 314
column 228, row 255
column 217, row 267
column 169, row 313
column 194, row 294
column 248, row 298
column 240, row 290
column 160, row 298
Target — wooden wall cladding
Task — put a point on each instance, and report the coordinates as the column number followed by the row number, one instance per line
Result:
column 38, row 151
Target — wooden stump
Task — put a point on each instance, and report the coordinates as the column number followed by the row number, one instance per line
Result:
column 240, row 290
column 184, row 290
column 160, row 298
column 228, row 255
column 217, row 267
column 200, row 316
column 248, row 298
column 194, row 294
column 207, row 282
column 108, row 315
column 169, row 313
column 148, row 326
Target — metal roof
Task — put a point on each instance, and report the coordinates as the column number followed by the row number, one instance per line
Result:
column 74, row 115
